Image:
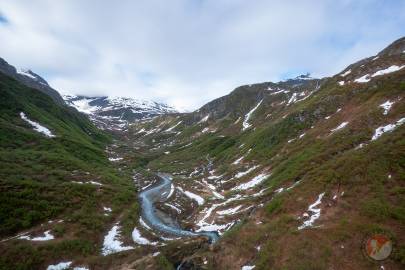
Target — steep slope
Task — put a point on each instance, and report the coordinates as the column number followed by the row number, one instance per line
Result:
column 290, row 181
column 115, row 113
column 30, row 79
column 55, row 180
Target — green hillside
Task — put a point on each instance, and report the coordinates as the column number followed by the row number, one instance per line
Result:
column 39, row 176
column 322, row 144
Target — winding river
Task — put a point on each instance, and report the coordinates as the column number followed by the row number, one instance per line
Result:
column 157, row 193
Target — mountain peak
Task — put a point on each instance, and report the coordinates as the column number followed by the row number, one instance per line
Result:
column 113, row 112
column 30, row 79
column 395, row 48
column 30, row 74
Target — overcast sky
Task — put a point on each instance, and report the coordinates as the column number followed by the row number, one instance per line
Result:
column 188, row 52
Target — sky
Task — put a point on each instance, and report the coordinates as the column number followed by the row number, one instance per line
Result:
column 188, row 52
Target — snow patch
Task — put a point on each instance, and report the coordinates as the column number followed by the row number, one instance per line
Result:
column 248, row 267
column 241, row 174
column 171, row 192
column 143, row 223
column 367, row 77
column 245, row 123
column 316, row 213
column 386, row 106
column 115, row 159
column 342, row 125
column 252, row 183
column 94, row 183
column 59, row 266
column 111, row 243
column 192, row 196
column 205, row 119
column 47, row 236
column 388, row 70
column 173, row 207
column 173, row 127
column 139, row 239
column 26, row 72
column 388, row 128
column 363, row 79
column 37, row 126
column 346, row 73
column 229, row 211
column 292, row 99
column 236, row 162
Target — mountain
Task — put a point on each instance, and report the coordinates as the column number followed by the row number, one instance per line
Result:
column 54, row 174
column 243, row 98
column 116, row 112
column 296, row 174
column 30, row 79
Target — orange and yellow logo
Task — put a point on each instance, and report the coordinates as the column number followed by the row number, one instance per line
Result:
column 378, row 247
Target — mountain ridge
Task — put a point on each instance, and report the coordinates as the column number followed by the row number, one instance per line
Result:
column 30, row 79
column 116, row 112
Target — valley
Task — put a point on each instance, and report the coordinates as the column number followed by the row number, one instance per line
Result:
column 288, row 175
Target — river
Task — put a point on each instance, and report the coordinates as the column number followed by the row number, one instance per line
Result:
column 157, row 193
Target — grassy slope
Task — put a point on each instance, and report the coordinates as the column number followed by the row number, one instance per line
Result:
column 36, row 175
column 324, row 163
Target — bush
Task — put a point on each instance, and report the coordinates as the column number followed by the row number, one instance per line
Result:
column 274, row 206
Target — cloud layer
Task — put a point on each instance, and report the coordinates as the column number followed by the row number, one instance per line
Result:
column 187, row 52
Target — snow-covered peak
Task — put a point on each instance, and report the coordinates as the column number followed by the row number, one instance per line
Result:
column 116, row 112
column 32, row 76
column 26, row 72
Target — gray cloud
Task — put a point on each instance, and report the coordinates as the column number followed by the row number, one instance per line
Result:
column 187, row 52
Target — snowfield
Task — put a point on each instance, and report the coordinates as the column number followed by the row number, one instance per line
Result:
column 83, row 105
column 37, row 127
